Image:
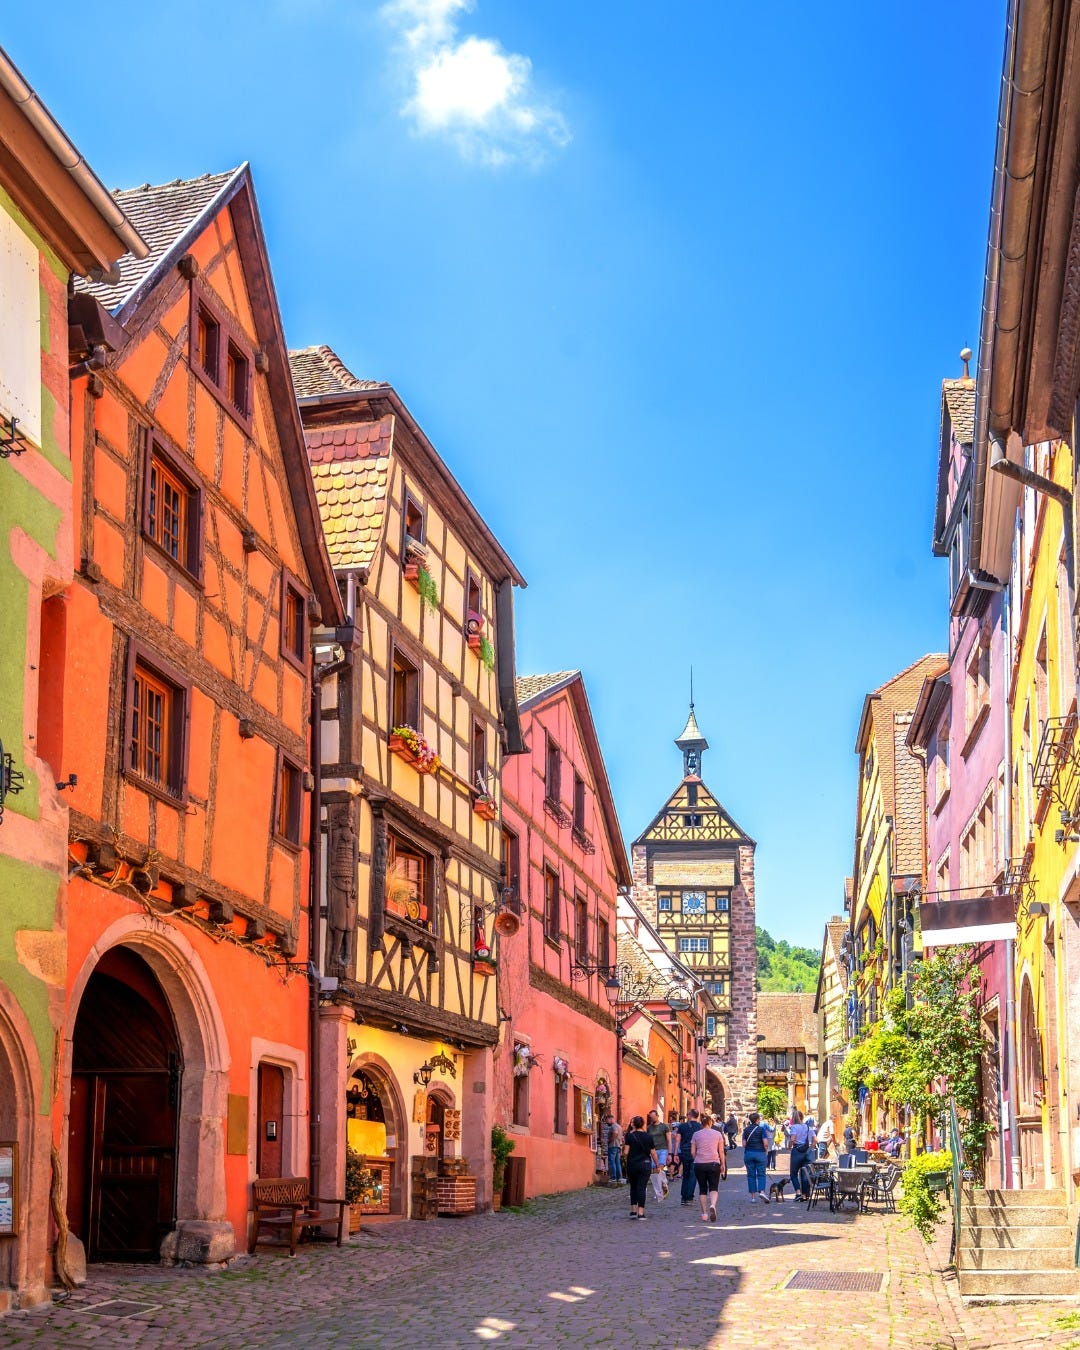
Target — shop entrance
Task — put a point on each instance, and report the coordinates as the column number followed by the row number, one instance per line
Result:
column 125, row 1087
column 375, row 1122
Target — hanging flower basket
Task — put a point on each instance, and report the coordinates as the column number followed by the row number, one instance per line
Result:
column 409, row 745
column 524, row 1060
column 484, row 806
column 562, row 1069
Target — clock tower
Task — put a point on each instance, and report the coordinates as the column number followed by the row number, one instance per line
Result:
column 694, row 882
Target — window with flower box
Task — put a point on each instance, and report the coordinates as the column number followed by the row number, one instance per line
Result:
column 409, row 877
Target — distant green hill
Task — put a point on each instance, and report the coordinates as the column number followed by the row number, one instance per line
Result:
column 784, row 969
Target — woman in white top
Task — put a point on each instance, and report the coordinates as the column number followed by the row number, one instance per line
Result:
column 802, row 1151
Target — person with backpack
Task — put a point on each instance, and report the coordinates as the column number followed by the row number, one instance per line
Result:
column 803, row 1141
column 755, row 1153
column 687, row 1130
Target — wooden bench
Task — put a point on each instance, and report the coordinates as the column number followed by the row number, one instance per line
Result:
column 285, row 1205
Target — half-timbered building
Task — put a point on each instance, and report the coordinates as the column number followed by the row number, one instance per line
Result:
column 694, row 882
column 565, row 864
column 419, row 711
column 200, row 569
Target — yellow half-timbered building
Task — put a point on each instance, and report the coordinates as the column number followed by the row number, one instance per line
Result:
column 418, row 709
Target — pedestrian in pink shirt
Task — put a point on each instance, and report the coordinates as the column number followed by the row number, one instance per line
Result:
column 709, row 1154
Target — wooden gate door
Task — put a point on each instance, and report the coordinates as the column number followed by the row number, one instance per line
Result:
column 126, row 1073
column 271, row 1108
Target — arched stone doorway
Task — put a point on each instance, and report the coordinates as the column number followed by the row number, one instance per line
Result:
column 123, row 1113
column 159, row 965
column 439, row 1101
column 22, row 1256
column 716, row 1095
column 372, row 1095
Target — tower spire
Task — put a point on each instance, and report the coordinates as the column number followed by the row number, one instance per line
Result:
column 692, row 743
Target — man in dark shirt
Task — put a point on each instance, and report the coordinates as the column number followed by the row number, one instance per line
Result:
column 687, row 1130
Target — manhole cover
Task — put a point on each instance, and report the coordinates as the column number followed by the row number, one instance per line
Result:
column 842, row 1281
column 120, row 1307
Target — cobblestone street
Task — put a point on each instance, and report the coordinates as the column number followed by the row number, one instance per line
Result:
column 569, row 1270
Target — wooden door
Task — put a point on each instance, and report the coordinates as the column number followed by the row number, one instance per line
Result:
column 436, row 1120
column 122, row 1143
column 271, row 1110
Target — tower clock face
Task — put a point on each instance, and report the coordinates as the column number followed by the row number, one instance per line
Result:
column 693, row 902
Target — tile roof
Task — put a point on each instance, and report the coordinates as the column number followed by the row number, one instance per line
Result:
column 835, row 929
column 532, row 686
column 162, row 214
column 786, row 1021
column 319, row 370
column 959, row 396
column 350, row 467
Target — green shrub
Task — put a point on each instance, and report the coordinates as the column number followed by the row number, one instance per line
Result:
column 501, row 1148
column 924, row 1207
column 771, row 1101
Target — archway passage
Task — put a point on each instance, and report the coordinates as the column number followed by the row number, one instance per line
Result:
column 372, row 1098
column 125, row 1089
column 716, row 1097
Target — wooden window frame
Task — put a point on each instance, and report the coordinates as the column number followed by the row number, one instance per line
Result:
column 603, row 945
column 561, row 1116
column 519, row 1104
column 293, row 589
column 581, row 929
column 398, row 837
column 228, row 333
column 473, row 582
column 399, row 651
column 174, row 788
column 552, row 905
column 176, row 466
column 510, row 844
column 288, row 840
column 552, row 770
column 237, row 360
column 579, row 803
column 478, row 745
column 410, row 499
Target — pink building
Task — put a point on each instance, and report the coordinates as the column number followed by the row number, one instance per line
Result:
column 565, row 862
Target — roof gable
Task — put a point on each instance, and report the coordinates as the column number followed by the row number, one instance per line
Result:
column 351, row 471
column 675, row 821
column 173, row 216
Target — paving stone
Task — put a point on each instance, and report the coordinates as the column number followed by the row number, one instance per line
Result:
column 569, row 1270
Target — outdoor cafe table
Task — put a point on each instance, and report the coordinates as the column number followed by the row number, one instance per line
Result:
column 865, row 1171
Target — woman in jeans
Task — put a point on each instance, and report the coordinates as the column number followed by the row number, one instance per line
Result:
column 640, row 1161
column 755, row 1152
column 803, row 1141
column 707, row 1151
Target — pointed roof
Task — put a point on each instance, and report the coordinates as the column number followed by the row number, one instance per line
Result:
column 319, row 370
column 165, row 215
column 170, row 217
column 691, row 737
column 531, row 691
column 717, row 825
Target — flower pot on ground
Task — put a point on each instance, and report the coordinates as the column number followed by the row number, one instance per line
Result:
column 925, row 1181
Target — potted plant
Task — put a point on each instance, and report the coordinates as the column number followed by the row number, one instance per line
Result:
column 925, row 1179
column 407, row 743
column 484, row 806
column 415, row 558
column 501, row 1148
column 486, row 652
column 355, row 1179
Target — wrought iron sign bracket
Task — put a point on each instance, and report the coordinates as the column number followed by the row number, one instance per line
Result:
column 12, row 441
column 12, row 780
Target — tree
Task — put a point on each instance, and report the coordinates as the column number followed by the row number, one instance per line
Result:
column 771, row 1101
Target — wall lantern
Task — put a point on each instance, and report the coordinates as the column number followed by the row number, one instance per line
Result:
column 12, row 781
column 422, row 1076
column 612, row 988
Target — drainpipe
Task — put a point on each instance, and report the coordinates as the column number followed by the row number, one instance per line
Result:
column 1000, row 463
column 1011, row 1040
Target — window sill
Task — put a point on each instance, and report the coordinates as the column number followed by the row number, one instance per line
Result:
column 940, row 803
column 163, row 554
column 409, row 932
column 290, row 845
column 981, row 718
column 551, row 942
column 163, row 794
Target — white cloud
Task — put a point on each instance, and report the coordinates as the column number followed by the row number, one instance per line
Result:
column 469, row 89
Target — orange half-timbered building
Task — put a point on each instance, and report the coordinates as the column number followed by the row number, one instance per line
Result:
column 417, row 719
column 201, row 567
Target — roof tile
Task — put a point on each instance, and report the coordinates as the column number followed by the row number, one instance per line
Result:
column 319, row 370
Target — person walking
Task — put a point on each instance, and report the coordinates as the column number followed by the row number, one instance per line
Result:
column 660, row 1136
column 802, row 1151
column 709, row 1154
column 731, row 1129
column 687, row 1130
column 640, row 1162
column 850, row 1143
column 825, row 1137
column 755, row 1155
column 613, row 1142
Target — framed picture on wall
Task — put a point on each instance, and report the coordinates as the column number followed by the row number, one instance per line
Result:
column 9, row 1189
column 583, row 1111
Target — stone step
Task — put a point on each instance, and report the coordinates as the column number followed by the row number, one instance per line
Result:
column 1015, row 1199
column 992, row 1216
column 1016, row 1236
column 1018, row 1258
column 1018, row 1284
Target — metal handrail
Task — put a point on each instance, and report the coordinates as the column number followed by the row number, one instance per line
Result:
column 957, row 1175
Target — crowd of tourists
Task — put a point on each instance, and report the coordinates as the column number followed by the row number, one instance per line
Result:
column 693, row 1153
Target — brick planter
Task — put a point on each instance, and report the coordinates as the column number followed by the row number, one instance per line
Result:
column 457, row 1195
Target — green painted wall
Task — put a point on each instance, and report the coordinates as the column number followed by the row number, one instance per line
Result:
column 28, row 901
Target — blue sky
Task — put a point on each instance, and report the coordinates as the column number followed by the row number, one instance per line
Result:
column 671, row 288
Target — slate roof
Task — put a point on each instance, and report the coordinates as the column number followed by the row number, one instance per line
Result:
column 786, row 1021
column 162, row 214
column 959, row 396
column 319, row 370
column 532, row 686
column 350, row 467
